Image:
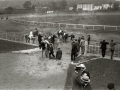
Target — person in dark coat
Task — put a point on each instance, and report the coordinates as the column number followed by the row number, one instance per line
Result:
column 80, row 80
column 51, row 51
column 74, row 51
column 103, row 47
column 39, row 39
column 59, row 54
column 72, row 36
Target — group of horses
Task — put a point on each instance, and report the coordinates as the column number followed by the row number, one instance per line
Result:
column 60, row 34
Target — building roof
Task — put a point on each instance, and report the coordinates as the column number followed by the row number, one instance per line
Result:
column 94, row 1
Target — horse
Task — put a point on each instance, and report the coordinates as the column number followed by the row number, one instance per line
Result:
column 27, row 38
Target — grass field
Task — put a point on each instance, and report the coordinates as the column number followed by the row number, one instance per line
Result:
column 7, row 46
column 86, row 19
column 102, row 72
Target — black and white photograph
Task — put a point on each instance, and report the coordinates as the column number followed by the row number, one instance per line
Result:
column 59, row 44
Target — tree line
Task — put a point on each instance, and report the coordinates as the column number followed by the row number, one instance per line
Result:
column 53, row 5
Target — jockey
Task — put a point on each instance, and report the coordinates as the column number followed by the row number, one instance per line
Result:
column 31, row 34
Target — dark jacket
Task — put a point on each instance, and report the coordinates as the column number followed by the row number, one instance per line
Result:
column 104, row 45
column 43, row 45
column 40, row 37
column 72, row 36
column 59, row 54
column 75, row 48
column 75, row 84
column 51, row 49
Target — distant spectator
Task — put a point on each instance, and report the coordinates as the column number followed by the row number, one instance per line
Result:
column 6, row 17
column 86, row 48
column 88, row 39
column 103, row 47
column 112, row 48
column 58, row 54
column 111, row 86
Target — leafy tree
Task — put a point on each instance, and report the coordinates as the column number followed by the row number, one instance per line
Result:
column 116, row 5
column 27, row 5
column 75, row 7
column 9, row 10
column 33, row 7
column 54, row 6
column 63, row 4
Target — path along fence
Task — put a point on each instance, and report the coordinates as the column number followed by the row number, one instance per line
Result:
column 67, row 25
column 93, row 48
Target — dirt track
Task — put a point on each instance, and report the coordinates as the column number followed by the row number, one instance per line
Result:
column 30, row 71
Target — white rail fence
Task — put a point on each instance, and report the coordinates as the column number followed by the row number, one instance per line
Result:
column 69, row 26
column 93, row 48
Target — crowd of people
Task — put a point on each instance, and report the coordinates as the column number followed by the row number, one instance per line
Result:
column 49, row 42
column 78, row 46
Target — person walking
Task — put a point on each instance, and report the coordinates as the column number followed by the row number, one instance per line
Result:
column 103, row 47
column 112, row 48
column 39, row 39
column 58, row 54
column 51, row 52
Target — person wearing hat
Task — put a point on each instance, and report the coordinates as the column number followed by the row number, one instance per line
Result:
column 75, row 74
column 81, row 78
column 111, row 86
column 58, row 54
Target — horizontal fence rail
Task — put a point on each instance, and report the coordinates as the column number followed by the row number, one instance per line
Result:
column 66, row 25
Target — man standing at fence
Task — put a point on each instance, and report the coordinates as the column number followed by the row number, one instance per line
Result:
column 103, row 47
column 112, row 48
column 88, row 39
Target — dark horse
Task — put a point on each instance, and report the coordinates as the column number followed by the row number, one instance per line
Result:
column 27, row 38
